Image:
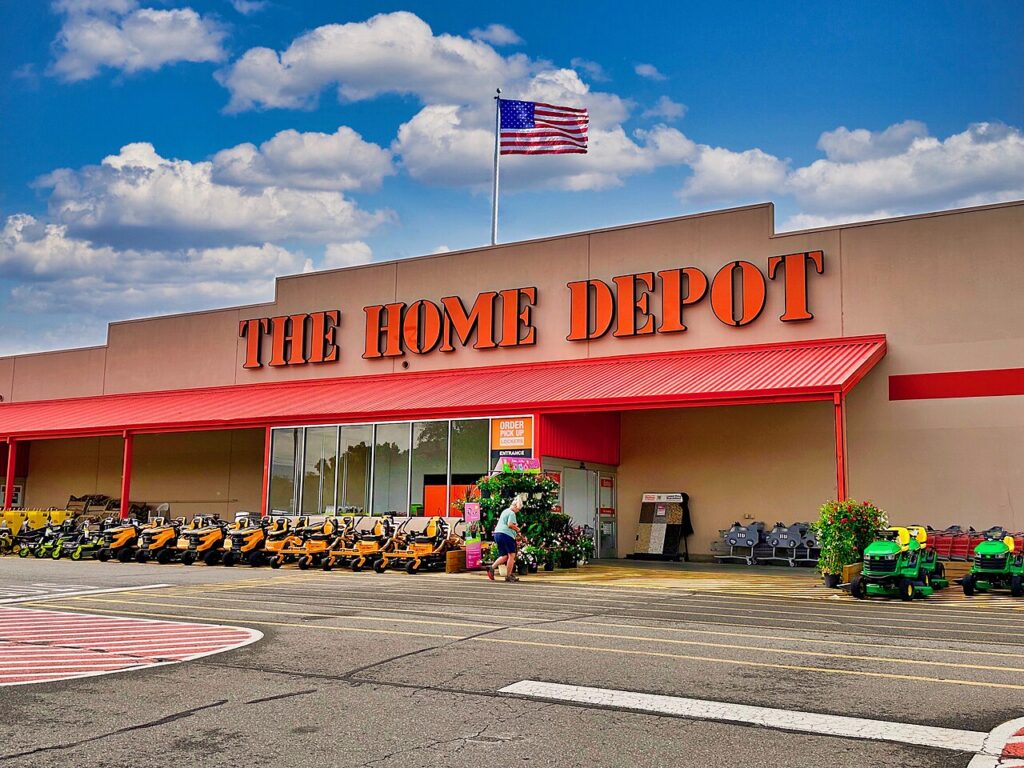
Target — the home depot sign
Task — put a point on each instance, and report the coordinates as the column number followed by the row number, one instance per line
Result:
column 736, row 294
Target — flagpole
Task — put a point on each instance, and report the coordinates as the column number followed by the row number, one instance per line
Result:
column 497, row 154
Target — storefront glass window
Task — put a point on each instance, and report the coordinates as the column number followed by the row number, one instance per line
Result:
column 318, row 470
column 391, row 469
column 429, row 468
column 286, row 445
column 471, row 451
column 354, row 468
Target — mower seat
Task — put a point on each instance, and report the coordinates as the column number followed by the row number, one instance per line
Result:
column 918, row 533
column 429, row 534
column 901, row 537
column 326, row 532
column 1010, row 544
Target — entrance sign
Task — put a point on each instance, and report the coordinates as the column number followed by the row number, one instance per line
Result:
column 511, row 438
column 471, row 512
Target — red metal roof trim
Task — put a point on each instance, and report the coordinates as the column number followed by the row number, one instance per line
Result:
column 805, row 370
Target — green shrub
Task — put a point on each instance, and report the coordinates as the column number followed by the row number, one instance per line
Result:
column 844, row 530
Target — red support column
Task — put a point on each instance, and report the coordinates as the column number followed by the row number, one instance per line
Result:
column 841, row 471
column 12, row 461
column 126, row 476
column 536, row 437
column 265, row 499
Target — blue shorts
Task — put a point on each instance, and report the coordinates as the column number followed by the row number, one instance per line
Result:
column 506, row 544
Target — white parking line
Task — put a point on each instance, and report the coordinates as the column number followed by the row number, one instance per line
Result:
column 39, row 592
column 781, row 719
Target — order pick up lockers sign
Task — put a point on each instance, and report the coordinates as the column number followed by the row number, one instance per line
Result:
column 736, row 295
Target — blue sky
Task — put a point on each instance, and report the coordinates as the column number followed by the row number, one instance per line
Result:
column 171, row 155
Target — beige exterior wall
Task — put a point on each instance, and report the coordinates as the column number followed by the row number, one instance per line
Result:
column 945, row 289
column 774, row 462
column 216, row 472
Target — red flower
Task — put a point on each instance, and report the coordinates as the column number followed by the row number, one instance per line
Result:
column 844, row 520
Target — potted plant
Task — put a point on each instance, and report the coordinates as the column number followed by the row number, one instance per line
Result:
column 844, row 529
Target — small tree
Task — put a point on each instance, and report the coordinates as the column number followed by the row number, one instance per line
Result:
column 844, row 529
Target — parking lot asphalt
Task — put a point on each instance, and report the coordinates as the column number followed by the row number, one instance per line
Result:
column 398, row 670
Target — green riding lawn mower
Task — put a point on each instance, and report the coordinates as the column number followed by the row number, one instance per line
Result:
column 996, row 565
column 899, row 563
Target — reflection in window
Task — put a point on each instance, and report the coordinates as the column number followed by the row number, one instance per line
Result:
column 391, row 469
column 318, row 471
column 471, row 453
column 286, row 445
column 354, row 468
column 429, row 468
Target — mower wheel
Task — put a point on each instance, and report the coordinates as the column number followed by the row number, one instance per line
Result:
column 276, row 562
column 76, row 554
column 228, row 560
column 968, row 584
column 926, row 580
column 907, row 590
column 23, row 552
column 412, row 568
column 103, row 555
column 141, row 556
column 255, row 559
column 57, row 553
column 304, row 563
column 164, row 556
column 327, row 564
column 212, row 557
column 380, row 566
column 857, row 588
column 38, row 552
column 940, row 570
column 187, row 558
column 357, row 565
column 1017, row 585
column 124, row 555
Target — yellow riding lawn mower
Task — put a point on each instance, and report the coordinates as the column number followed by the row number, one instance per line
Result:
column 251, row 541
column 201, row 539
column 361, row 546
column 120, row 540
column 321, row 541
column 158, row 541
column 416, row 549
column 283, row 550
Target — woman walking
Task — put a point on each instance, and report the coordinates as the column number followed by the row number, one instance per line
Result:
column 505, row 533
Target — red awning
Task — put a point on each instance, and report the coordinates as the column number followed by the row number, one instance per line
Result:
column 769, row 373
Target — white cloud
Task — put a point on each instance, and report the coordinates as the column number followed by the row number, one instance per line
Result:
column 666, row 109
column 119, row 35
column 982, row 164
column 496, row 34
column 723, row 175
column 843, row 145
column 347, row 254
column 338, row 161
column 249, row 7
column 441, row 249
column 58, row 273
column 592, row 69
column 389, row 53
column 649, row 71
column 139, row 199
column 438, row 147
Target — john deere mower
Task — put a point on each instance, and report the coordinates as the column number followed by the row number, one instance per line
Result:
column 899, row 564
column 996, row 565
column 201, row 539
column 417, row 549
column 120, row 540
column 254, row 542
column 157, row 542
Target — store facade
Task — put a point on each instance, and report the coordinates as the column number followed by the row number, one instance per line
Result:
column 759, row 373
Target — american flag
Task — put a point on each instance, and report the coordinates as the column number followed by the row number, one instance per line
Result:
column 535, row 128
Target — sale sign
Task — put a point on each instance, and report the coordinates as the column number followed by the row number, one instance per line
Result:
column 473, row 553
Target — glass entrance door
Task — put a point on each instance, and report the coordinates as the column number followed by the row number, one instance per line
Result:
column 579, row 497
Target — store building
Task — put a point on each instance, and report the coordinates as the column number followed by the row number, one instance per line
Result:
column 759, row 373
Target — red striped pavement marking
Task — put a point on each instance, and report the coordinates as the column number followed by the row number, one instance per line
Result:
column 39, row 646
